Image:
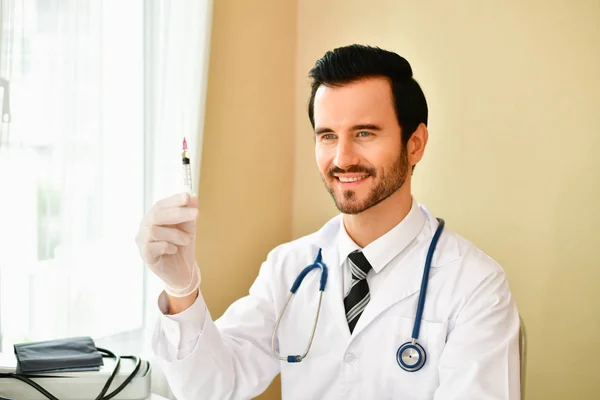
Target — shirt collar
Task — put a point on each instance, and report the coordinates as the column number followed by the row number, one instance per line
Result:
column 382, row 250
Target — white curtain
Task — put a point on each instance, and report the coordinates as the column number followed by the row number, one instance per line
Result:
column 71, row 176
column 101, row 95
column 178, row 34
column 177, row 59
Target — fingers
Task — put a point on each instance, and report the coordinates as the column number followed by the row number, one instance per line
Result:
column 170, row 223
column 177, row 200
column 173, row 210
column 171, row 235
column 193, row 202
column 172, row 215
column 154, row 250
column 188, row 227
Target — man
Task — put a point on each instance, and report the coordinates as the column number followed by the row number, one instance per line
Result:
column 370, row 124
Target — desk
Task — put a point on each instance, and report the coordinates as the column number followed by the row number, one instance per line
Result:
column 156, row 397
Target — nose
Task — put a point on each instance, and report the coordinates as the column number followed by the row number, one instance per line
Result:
column 346, row 154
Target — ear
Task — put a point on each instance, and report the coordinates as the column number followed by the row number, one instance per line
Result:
column 416, row 144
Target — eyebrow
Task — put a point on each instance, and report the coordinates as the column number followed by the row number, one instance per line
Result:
column 370, row 127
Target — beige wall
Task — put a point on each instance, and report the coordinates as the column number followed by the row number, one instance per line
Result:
column 513, row 92
column 246, row 175
column 514, row 96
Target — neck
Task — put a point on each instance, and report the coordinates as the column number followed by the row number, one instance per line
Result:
column 376, row 221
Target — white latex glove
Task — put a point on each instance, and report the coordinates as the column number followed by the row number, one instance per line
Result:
column 166, row 240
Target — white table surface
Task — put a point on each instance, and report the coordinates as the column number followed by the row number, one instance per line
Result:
column 155, row 397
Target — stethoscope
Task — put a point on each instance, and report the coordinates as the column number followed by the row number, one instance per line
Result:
column 411, row 356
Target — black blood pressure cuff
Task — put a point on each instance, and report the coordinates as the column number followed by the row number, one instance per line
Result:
column 61, row 355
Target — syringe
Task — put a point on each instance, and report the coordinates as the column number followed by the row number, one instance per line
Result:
column 187, row 169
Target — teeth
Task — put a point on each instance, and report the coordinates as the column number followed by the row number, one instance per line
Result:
column 342, row 179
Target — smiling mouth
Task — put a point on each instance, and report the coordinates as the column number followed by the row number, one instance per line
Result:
column 353, row 179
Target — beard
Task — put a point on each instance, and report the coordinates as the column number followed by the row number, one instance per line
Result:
column 388, row 183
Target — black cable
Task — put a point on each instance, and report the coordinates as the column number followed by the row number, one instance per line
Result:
column 30, row 383
column 102, row 395
column 138, row 364
column 114, row 373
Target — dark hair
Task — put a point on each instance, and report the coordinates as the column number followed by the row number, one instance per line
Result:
column 352, row 63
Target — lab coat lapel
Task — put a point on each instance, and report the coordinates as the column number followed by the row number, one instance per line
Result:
column 405, row 279
column 333, row 298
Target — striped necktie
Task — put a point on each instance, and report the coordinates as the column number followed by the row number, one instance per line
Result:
column 358, row 297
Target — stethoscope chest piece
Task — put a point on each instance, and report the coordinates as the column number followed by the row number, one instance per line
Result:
column 411, row 356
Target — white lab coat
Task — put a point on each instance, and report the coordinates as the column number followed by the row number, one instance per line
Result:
column 470, row 330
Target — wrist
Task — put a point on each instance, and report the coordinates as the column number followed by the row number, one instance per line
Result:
column 190, row 288
column 179, row 304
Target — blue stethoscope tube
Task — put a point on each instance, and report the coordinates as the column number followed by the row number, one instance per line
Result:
column 316, row 264
column 411, row 356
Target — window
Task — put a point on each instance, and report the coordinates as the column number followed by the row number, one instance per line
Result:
column 98, row 96
column 72, row 182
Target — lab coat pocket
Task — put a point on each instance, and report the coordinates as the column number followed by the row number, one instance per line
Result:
column 432, row 337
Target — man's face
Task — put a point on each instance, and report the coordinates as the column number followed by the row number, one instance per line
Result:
column 358, row 144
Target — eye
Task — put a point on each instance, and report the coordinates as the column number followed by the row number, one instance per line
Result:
column 328, row 136
column 364, row 133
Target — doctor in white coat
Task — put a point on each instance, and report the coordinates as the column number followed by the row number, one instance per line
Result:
column 370, row 130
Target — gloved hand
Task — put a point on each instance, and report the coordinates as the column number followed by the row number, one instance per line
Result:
column 166, row 240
